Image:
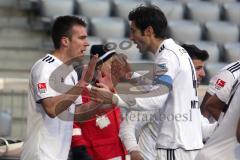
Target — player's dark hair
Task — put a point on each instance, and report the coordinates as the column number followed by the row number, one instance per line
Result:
column 195, row 53
column 145, row 16
column 63, row 27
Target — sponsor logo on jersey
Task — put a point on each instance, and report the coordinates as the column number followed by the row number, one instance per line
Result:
column 42, row 87
column 219, row 84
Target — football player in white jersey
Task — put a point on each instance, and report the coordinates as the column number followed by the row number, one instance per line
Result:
column 173, row 91
column 219, row 90
column 54, row 91
column 223, row 145
column 147, row 136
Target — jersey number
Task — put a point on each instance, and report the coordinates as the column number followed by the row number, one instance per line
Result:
column 194, row 103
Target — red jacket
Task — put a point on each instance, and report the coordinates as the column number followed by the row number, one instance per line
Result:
column 103, row 143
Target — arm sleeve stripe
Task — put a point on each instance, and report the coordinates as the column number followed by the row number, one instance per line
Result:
column 163, row 79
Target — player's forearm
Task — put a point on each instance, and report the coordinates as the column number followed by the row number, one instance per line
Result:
column 54, row 106
column 214, row 112
column 136, row 155
column 86, row 111
column 204, row 111
column 139, row 104
column 214, row 106
column 238, row 131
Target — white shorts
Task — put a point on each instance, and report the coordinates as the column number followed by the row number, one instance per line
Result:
column 176, row 154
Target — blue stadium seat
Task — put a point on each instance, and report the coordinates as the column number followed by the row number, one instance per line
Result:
column 123, row 7
column 203, row 11
column 93, row 8
column 222, row 32
column 8, row 3
column 222, row 1
column 173, row 10
column 232, row 12
column 5, row 123
column 184, row 30
column 212, row 49
column 106, row 27
column 186, row 1
column 232, row 51
column 213, row 68
column 53, row 8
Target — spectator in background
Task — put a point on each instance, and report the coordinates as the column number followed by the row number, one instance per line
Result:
column 198, row 57
column 54, row 92
column 98, row 138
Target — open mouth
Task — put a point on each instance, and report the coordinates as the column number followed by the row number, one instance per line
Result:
column 82, row 51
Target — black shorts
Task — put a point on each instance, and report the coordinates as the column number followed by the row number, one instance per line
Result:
column 80, row 153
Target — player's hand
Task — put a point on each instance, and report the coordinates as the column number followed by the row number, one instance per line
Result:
column 104, row 80
column 102, row 95
column 136, row 155
column 88, row 73
column 120, row 68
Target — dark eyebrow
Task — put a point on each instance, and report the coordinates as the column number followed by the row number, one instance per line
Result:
column 83, row 36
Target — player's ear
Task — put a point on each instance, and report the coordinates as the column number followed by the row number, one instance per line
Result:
column 65, row 41
column 149, row 31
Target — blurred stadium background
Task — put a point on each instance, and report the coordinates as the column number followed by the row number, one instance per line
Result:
column 213, row 25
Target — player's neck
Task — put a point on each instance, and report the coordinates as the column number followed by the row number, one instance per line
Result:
column 155, row 44
column 60, row 55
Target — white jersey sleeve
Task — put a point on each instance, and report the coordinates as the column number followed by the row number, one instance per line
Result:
column 40, row 82
column 127, row 135
column 221, row 85
column 166, row 67
column 169, row 62
column 131, row 127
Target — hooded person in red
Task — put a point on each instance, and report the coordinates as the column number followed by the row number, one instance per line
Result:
column 98, row 138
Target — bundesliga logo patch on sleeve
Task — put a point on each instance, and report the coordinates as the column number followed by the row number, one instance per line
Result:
column 161, row 68
column 220, row 84
column 42, row 87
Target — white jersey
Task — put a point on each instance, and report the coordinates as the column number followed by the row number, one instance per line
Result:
column 221, row 84
column 48, row 138
column 223, row 145
column 182, row 126
column 179, row 117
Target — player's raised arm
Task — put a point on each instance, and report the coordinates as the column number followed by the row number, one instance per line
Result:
column 54, row 106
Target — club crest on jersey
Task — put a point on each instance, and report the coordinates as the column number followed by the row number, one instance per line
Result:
column 42, row 87
column 220, row 84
